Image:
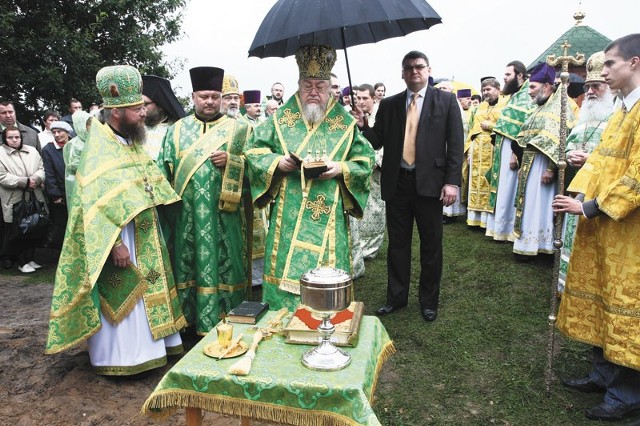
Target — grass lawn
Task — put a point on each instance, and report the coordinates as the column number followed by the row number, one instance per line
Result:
column 482, row 361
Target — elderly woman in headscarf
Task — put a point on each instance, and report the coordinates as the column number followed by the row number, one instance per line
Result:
column 21, row 170
column 73, row 150
column 54, row 181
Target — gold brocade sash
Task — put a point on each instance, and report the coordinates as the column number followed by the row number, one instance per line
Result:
column 224, row 133
column 152, row 278
column 114, row 184
column 314, row 238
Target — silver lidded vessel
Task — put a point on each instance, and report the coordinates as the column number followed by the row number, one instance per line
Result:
column 326, row 290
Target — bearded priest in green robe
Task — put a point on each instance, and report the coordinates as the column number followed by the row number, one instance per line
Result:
column 309, row 224
column 201, row 155
column 114, row 286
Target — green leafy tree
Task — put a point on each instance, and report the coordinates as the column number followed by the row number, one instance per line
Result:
column 51, row 50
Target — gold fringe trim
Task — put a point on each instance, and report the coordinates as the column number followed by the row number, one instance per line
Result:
column 387, row 350
column 125, row 308
column 161, row 405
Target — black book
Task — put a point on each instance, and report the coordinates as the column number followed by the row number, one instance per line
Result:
column 248, row 312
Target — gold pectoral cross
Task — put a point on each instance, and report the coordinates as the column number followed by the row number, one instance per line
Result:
column 317, row 207
column 148, row 187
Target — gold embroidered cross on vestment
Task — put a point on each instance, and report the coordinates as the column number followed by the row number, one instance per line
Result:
column 317, row 207
column 114, row 280
column 336, row 123
column 152, row 276
column 146, row 225
column 289, row 118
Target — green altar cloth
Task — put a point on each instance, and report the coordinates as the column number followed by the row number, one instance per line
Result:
column 279, row 388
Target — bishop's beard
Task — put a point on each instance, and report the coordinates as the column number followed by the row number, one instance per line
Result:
column 594, row 110
column 314, row 113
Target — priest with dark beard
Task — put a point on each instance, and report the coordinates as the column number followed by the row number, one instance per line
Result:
column 163, row 109
column 114, row 286
column 503, row 176
column 309, row 218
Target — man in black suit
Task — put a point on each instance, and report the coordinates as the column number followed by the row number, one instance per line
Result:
column 419, row 176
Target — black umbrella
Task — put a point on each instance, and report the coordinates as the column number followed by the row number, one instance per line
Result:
column 338, row 23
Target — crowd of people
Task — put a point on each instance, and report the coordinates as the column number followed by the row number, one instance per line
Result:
column 164, row 219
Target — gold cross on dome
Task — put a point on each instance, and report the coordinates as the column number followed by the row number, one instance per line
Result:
column 317, row 207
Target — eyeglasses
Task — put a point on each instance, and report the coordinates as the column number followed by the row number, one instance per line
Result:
column 138, row 109
column 592, row 86
column 409, row 68
column 319, row 89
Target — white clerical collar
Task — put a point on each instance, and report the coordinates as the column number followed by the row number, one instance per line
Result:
column 630, row 100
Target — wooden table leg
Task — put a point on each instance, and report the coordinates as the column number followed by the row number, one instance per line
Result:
column 194, row 416
column 244, row 421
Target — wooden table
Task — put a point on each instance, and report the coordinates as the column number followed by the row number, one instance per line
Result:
column 279, row 388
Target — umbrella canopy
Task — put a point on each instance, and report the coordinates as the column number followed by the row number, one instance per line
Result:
column 338, row 23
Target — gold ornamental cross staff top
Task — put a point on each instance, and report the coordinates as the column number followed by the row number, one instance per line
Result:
column 564, row 61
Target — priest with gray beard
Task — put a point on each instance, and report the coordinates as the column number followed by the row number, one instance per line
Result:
column 309, row 224
column 595, row 112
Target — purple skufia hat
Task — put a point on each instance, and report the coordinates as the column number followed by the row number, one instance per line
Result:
column 464, row 93
column 543, row 73
column 251, row 96
column 346, row 91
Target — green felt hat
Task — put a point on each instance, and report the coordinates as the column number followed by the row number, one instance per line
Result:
column 119, row 86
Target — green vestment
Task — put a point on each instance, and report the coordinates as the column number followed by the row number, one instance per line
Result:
column 207, row 241
column 115, row 184
column 513, row 116
column 584, row 137
column 540, row 134
column 308, row 226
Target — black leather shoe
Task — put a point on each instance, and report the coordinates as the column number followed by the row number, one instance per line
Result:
column 7, row 263
column 387, row 309
column 583, row 384
column 605, row 411
column 429, row 314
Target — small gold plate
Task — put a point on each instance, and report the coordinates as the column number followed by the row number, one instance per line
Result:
column 214, row 350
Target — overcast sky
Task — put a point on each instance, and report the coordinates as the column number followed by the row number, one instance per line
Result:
column 475, row 39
